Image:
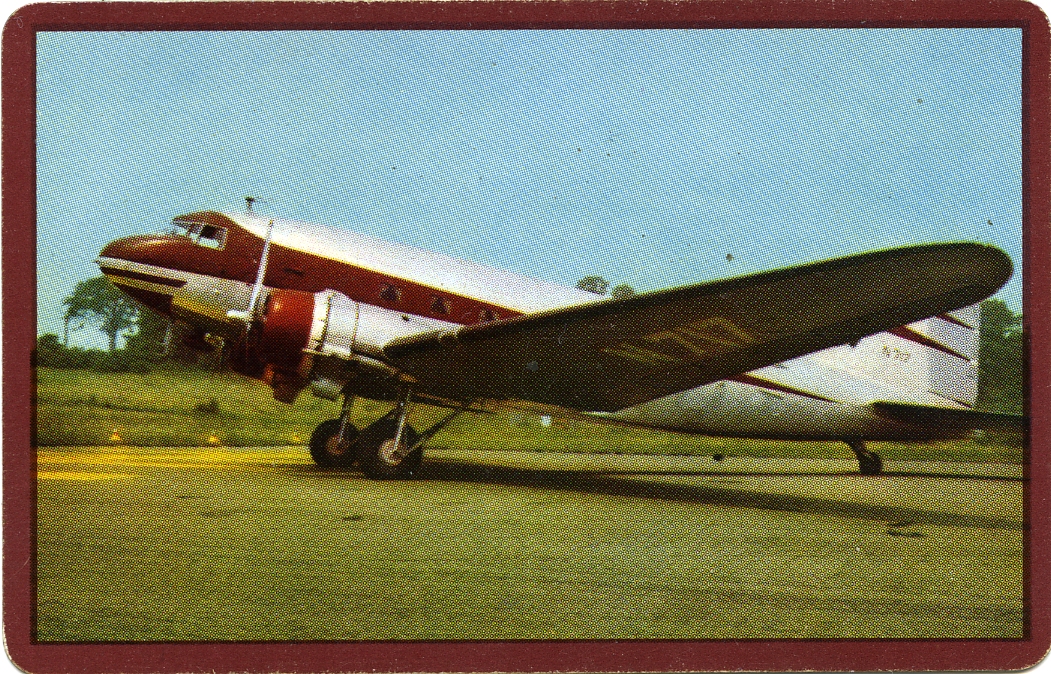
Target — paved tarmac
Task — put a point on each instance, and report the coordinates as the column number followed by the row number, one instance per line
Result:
column 156, row 544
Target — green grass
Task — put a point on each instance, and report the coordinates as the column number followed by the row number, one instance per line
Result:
column 163, row 409
column 234, row 544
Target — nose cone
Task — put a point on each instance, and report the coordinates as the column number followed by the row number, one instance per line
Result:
column 153, row 250
column 130, row 248
column 150, row 279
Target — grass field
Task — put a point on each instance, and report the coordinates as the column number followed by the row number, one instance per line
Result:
column 156, row 544
column 180, row 408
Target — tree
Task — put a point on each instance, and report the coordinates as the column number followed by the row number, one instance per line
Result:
column 149, row 337
column 1000, row 359
column 594, row 284
column 623, row 291
column 96, row 302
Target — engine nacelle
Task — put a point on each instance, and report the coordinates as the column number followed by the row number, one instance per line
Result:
column 288, row 318
column 306, row 332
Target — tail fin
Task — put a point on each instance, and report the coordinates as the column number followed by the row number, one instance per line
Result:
column 933, row 361
column 953, row 358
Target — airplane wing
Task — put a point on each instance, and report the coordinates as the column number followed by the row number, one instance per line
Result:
column 949, row 419
column 613, row 354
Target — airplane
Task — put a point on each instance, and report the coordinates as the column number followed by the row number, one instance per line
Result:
column 872, row 347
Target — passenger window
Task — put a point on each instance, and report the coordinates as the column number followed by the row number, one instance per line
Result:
column 487, row 315
column 390, row 293
column 212, row 237
column 440, row 305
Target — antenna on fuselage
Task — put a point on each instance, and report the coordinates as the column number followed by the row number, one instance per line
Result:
column 248, row 203
column 257, row 289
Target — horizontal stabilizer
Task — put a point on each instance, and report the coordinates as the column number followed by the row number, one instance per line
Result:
column 948, row 418
column 608, row 355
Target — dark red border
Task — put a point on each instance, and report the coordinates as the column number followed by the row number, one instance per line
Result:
column 19, row 257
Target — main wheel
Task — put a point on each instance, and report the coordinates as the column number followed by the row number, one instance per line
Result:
column 325, row 448
column 376, row 451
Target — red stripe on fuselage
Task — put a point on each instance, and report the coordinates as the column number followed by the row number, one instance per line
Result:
column 297, row 270
column 294, row 269
column 952, row 319
column 774, row 386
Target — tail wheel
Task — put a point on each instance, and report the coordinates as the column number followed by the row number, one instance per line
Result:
column 378, row 456
column 326, row 449
column 870, row 463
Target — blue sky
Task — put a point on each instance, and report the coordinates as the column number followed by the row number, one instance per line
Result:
column 643, row 156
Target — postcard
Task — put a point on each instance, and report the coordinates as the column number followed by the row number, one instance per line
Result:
column 525, row 336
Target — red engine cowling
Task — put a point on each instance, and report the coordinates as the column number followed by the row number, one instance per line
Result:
column 287, row 320
column 273, row 349
column 295, row 327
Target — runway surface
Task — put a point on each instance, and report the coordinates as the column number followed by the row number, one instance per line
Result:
column 148, row 544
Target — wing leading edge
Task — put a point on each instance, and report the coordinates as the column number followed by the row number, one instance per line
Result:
column 613, row 354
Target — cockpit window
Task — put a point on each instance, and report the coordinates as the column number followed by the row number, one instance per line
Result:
column 208, row 236
column 211, row 236
column 182, row 228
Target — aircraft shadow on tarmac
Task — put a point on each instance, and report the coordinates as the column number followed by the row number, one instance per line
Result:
column 625, row 483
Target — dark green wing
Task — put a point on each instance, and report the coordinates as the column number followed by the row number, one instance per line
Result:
column 612, row 354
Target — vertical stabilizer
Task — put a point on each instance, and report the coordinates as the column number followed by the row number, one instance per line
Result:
column 955, row 375
column 930, row 362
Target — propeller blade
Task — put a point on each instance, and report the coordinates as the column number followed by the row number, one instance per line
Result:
column 249, row 314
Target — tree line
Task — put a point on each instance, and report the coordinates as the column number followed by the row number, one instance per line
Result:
column 150, row 341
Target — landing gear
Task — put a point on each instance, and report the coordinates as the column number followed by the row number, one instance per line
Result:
column 333, row 442
column 384, row 455
column 869, row 463
column 385, row 449
column 388, row 448
column 326, row 448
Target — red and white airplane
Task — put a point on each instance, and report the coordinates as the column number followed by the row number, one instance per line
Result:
column 878, row 346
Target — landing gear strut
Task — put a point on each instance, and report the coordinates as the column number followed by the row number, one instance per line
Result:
column 385, row 449
column 869, row 463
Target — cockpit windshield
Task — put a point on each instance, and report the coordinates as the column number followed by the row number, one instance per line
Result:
column 181, row 228
column 200, row 233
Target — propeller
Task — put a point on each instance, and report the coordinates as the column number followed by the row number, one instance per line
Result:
column 240, row 349
column 248, row 315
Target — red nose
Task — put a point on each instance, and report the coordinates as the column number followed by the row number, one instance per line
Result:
column 144, row 249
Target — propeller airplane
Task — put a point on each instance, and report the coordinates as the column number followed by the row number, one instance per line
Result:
column 877, row 346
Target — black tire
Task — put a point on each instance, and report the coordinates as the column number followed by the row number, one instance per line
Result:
column 325, row 453
column 371, row 443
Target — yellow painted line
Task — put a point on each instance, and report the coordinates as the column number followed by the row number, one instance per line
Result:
column 201, row 456
column 215, row 460
column 77, row 475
